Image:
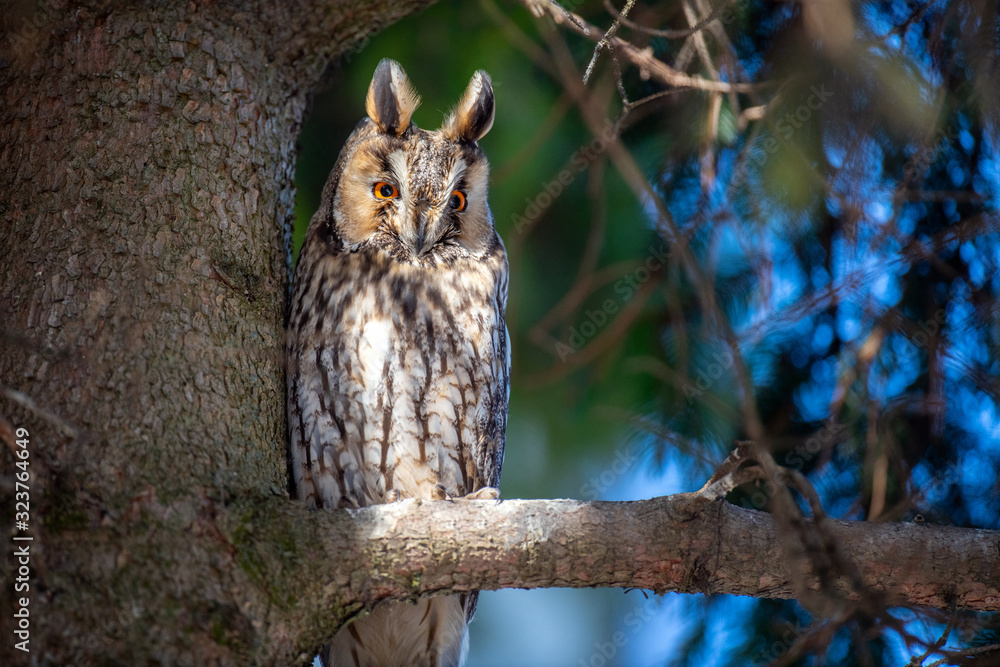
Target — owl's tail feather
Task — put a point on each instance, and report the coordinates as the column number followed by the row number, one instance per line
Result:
column 430, row 633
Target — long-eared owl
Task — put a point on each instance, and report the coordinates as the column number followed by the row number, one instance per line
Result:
column 397, row 351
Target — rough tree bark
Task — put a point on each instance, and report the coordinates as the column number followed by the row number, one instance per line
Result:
column 146, row 164
column 146, row 156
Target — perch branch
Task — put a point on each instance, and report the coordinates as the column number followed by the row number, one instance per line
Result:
column 683, row 543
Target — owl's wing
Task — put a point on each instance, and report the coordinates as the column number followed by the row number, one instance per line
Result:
column 497, row 407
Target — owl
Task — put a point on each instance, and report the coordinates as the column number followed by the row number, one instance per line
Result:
column 397, row 350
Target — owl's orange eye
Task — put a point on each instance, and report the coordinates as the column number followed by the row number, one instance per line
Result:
column 383, row 190
column 457, row 200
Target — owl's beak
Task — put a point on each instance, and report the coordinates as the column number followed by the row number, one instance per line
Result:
column 421, row 237
column 420, row 241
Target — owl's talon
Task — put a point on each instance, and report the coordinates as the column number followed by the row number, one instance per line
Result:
column 485, row 493
column 392, row 496
column 440, row 493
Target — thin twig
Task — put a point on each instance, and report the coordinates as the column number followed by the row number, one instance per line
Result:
column 964, row 653
column 669, row 34
column 617, row 68
column 605, row 41
column 539, row 9
column 936, row 646
column 651, row 66
column 29, row 403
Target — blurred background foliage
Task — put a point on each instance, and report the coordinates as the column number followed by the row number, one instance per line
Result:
column 807, row 258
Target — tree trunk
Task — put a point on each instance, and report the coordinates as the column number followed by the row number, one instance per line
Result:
column 146, row 165
column 146, row 158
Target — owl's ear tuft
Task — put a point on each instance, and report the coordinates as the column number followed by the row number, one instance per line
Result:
column 473, row 115
column 391, row 98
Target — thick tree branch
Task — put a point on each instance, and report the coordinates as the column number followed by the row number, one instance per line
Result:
column 680, row 543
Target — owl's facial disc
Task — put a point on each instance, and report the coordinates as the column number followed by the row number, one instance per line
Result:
column 427, row 217
column 420, row 197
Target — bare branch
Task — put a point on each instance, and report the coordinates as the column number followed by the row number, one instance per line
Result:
column 643, row 58
column 605, row 41
column 681, row 543
column 669, row 34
